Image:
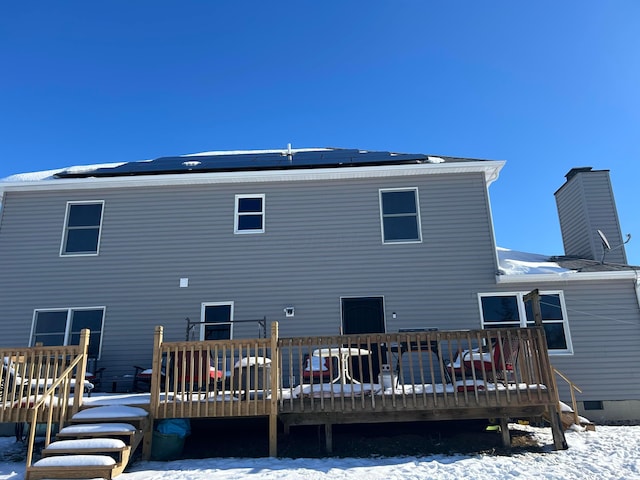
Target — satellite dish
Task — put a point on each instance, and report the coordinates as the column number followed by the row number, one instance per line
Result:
column 603, row 239
column 606, row 246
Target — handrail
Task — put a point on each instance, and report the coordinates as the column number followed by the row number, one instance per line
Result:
column 49, row 391
column 572, row 387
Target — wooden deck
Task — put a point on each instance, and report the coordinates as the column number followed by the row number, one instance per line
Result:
column 396, row 377
column 370, row 378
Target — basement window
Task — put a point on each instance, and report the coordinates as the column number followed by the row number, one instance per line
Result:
column 593, row 405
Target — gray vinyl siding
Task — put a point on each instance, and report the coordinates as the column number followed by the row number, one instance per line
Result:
column 322, row 241
column 586, row 204
column 604, row 321
column 573, row 221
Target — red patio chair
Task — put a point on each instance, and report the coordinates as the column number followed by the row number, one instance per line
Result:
column 489, row 360
column 316, row 369
column 198, row 371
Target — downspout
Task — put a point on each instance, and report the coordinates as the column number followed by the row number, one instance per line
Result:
column 637, row 288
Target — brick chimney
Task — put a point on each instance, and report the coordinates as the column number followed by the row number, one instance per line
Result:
column 585, row 205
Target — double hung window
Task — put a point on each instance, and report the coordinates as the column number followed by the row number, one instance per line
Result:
column 510, row 310
column 400, row 216
column 83, row 222
column 217, row 321
column 249, row 214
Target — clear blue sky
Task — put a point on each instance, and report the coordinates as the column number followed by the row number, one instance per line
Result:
column 544, row 85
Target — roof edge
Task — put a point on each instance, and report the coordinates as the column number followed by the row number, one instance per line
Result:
column 631, row 274
column 490, row 168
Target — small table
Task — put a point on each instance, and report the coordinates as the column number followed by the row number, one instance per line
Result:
column 343, row 354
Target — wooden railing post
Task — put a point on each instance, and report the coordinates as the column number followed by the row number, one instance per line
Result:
column 572, row 388
column 154, row 391
column 81, row 371
column 275, row 389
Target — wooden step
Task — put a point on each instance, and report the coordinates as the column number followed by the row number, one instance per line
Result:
column 74, row 466
column 124, row 431
column 568, row 421
column 113, row 413
column 91, row 446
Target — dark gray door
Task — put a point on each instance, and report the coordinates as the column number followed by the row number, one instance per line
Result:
column 364, row 315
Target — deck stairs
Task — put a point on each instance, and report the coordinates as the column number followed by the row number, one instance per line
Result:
column 568, row 418
column 98, row 443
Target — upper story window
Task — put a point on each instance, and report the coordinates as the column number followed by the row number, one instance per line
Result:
column 249, row 217
column 510, row 310
column 63, row 327
column 83, row 222
column 400, row 216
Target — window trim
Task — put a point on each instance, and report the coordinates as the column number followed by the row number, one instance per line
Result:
column 522, row 313
column 67, row 330
column 417, row 215
column 238, row 214
column 65, row 229
column 203, row 324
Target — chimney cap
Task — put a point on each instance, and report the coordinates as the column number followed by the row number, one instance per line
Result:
column 574, row 171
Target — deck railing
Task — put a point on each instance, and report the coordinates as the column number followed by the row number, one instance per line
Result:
column 430, row 370
column 36, row 384
column 415, row 370
column 224, row 378
column 31, row 374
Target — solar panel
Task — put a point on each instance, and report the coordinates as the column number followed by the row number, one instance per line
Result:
column 222, row 162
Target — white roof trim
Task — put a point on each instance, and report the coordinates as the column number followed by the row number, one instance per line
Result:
column 568, row 277
column 490, row 168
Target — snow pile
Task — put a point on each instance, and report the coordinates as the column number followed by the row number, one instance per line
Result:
column 50, row 174
column 512, row 262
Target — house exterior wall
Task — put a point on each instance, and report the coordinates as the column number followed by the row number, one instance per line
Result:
column 604, row 322
column 322, row 242
column 585, row 204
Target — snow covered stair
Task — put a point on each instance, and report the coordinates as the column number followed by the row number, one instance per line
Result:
column 99, row 444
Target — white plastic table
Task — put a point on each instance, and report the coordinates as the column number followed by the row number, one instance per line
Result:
column 343, row 354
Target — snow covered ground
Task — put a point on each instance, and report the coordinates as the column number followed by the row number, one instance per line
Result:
column 607, row 453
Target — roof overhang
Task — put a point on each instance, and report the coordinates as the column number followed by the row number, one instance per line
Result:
column 490, row 169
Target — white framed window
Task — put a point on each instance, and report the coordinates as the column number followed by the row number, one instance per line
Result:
column 216, row 321
column 508, row 309
column 82, row 227
column 400, row 215
column 250, row 213
column 62, row 326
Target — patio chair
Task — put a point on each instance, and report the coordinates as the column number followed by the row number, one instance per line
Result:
column 142, row 377
column 94, row 375
column 198, row 371
column 489, row 360
column 18, row 379
column 316, row 369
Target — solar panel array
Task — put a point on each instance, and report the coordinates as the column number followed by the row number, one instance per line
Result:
column 221, row 162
